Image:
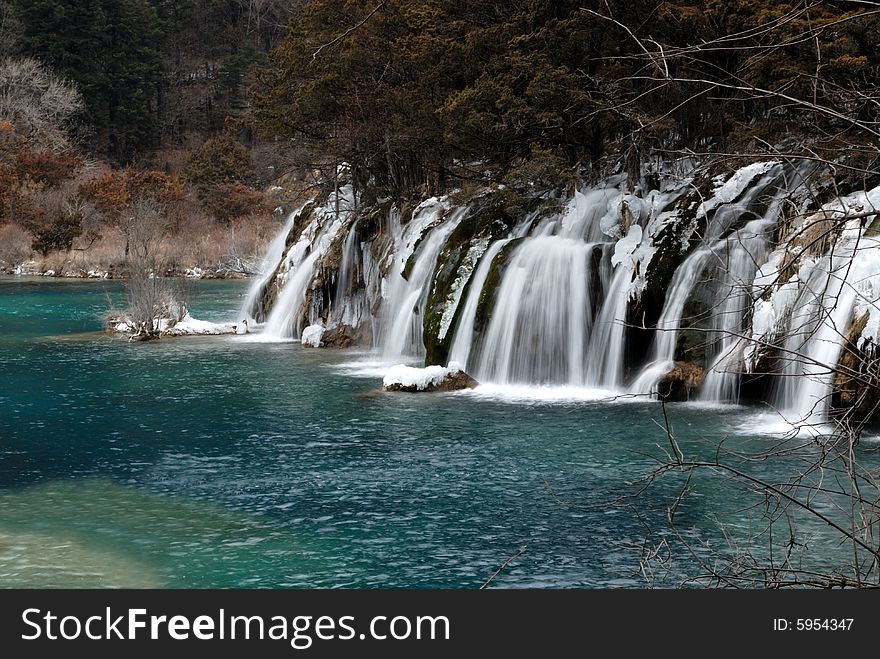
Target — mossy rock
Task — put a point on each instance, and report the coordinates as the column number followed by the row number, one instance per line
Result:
column 490, row 291
column 671, row 251
column 303, row 219
column 487, row 220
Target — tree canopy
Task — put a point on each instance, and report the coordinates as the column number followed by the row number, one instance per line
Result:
column 108, row 48
column 410, row 93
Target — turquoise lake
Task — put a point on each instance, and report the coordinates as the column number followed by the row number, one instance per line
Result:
column 220, row 462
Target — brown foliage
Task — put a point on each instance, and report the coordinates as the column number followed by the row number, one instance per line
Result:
column 47, row 168
column 115, row 191
column 233, row 201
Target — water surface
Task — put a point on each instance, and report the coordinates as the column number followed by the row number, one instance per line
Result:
column 218, row 462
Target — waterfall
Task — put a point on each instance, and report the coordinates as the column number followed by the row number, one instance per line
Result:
column 542, row 318
column 462, row 341
column 349, row 303
column 252, row 309
column 286, row 318
column 666, row 337
column 816, row 331
column 743, row 253
column 401, row 336
column 740, row 254
column 542, row 315
column 547, row 302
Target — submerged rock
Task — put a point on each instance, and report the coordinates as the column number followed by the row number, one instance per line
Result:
column 431, row 378
column 681, row 383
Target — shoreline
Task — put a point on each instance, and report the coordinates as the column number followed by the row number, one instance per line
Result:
column 98, row 274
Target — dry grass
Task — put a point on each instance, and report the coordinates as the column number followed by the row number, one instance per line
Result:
column 15, row 245
column 197, row 242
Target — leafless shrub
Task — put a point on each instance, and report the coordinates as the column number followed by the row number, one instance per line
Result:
column 15, row 245
column 151, row 298
column 143, row 225
column 38, row 103
column 246, row 242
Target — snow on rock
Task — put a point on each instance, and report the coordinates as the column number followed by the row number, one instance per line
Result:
column 871, row 333
column 425, row 216
column 27, row 268
column 465, row 270
column 194, row 273
column 190, row 326
column 626, row 247
column 730, row 190
column 431, row 378
column 741, row 179
column 312, row 335
column 625, row 209
column 855, row 259
column 865, row 278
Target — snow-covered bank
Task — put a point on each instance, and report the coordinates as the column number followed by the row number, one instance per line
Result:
column 188, row 326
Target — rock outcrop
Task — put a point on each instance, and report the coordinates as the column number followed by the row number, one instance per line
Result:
column 681, row 383
column 429, row 379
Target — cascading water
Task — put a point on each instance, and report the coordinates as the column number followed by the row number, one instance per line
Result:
column 350, row 306
column 542, row 317
column 739, row 254
column 547, row 304
column 743, row 253
column 402, row 331
column 816, row 331
column 286, row 321
column 665, row 338
column 462, row 341
column 252, row 310
column 607, row 343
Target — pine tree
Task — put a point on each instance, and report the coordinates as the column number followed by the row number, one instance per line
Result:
column 108, row 48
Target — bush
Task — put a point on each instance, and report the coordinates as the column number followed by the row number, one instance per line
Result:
column 56, row 228
column 15, row 245
column 218, row 161
column 233, row 201
column 47, row 168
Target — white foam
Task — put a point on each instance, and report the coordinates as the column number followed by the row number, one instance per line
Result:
column 562, row 394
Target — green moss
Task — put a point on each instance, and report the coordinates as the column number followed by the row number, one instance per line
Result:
column 489, row 218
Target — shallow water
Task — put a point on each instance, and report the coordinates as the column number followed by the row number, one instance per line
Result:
column 220, row 462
